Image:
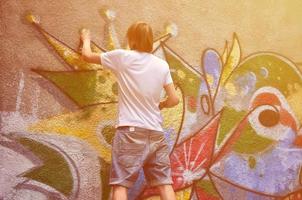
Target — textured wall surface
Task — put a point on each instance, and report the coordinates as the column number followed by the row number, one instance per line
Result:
column 236, row 133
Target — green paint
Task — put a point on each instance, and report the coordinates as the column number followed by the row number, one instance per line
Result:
column 82, row 87
column 229, row 120
column 108, row 132
column 252, row 162
column 85, row 114
column 189, row 88
column 276, row 67
column 208, row 187
column 55, row 171
column 249, row 142
column 102, row 79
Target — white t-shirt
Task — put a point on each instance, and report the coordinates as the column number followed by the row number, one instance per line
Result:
column 141, row 77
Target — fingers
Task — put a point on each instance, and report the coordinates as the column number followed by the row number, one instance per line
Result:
column 85, row 33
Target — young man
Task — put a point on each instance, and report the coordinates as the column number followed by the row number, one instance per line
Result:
column 139, row 141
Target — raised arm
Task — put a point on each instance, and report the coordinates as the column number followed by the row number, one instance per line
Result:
column 86, row 52
column 172, row 98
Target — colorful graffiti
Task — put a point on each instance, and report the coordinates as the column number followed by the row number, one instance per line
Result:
column 236, row 133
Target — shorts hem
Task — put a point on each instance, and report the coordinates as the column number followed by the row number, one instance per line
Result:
column 125, row 183
column 158, row 183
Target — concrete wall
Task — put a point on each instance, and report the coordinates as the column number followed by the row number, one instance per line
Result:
column 236, row 133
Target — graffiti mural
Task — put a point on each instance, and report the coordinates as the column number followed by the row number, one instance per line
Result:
column 236, row 133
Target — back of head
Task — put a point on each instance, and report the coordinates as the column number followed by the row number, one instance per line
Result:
column 140, row 37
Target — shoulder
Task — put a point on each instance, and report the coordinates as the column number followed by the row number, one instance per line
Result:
column 119, row 51
column 160, row 61
column 115, row 52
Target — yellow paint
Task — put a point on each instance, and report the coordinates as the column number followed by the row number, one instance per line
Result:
column 32, row 18
column 225, row 53
column 181, row 74
column 74, row 124
column 294, row 100
column 110, row 44
column 210, row 79
column 173, row 116
column 95, row 49
column 70, row 56
column 84, row 87
column 232, row 60
column 231, row 88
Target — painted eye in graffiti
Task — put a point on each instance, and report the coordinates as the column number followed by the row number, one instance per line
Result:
column 265, row 120
column 271, row 116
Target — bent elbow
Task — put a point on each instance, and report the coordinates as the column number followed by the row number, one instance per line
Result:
column 85, row 57
column 175, row 101
column 172, row 101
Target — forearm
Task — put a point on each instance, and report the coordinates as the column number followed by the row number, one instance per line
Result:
column 86, row 49
column 168, row 103
column 88, row 55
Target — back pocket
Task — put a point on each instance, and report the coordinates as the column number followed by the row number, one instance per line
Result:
column 132, row 148
column 129, row 161
column 130, row 154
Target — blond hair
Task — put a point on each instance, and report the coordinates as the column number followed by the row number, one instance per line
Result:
column 140, row 37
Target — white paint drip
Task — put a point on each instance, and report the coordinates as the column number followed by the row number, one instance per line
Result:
column 35, row 101
column 113, row 34
column 14, row 121
column 20, row 91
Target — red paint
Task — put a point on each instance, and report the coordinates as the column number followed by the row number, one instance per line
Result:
column 265, row 99
column 201, row 155
column 298, row 141
column 192, row 102
column 287, row 119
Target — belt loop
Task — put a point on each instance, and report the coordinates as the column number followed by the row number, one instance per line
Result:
column 131, row 128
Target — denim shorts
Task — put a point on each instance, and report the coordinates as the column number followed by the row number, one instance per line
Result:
column 136, row 148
